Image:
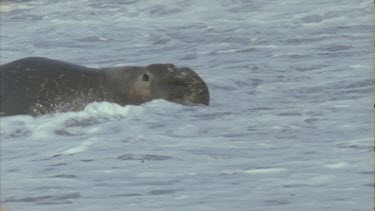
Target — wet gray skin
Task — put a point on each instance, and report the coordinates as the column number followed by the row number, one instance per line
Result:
column 38, row 85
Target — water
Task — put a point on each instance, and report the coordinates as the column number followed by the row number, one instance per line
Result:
column 290, row 125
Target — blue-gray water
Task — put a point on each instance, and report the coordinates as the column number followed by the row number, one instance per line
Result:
column 290, row 125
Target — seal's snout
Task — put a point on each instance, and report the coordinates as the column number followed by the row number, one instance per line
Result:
column 197, row 89
column 180, row 85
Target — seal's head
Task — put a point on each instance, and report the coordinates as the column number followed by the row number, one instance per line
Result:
column 163, row 81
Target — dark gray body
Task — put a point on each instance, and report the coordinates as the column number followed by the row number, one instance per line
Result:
column 37, row 85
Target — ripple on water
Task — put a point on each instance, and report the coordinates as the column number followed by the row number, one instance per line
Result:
column 161, row 192
column 19, row 132
column 147, row 157
column 47, row 199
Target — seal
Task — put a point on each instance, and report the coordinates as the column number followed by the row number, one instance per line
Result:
column 37, row 85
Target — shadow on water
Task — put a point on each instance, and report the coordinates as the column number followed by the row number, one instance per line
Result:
column 46, row 199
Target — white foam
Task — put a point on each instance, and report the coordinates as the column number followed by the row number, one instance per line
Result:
column 254, row 171
column 107, row 109
column 264, row 170
column 336, row 165
column 81, row 148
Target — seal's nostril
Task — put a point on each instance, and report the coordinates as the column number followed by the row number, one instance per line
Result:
column 146, row 77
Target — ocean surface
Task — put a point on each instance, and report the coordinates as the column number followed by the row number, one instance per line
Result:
column 290, row 125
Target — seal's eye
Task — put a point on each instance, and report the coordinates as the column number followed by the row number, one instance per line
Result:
column 146, row 77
